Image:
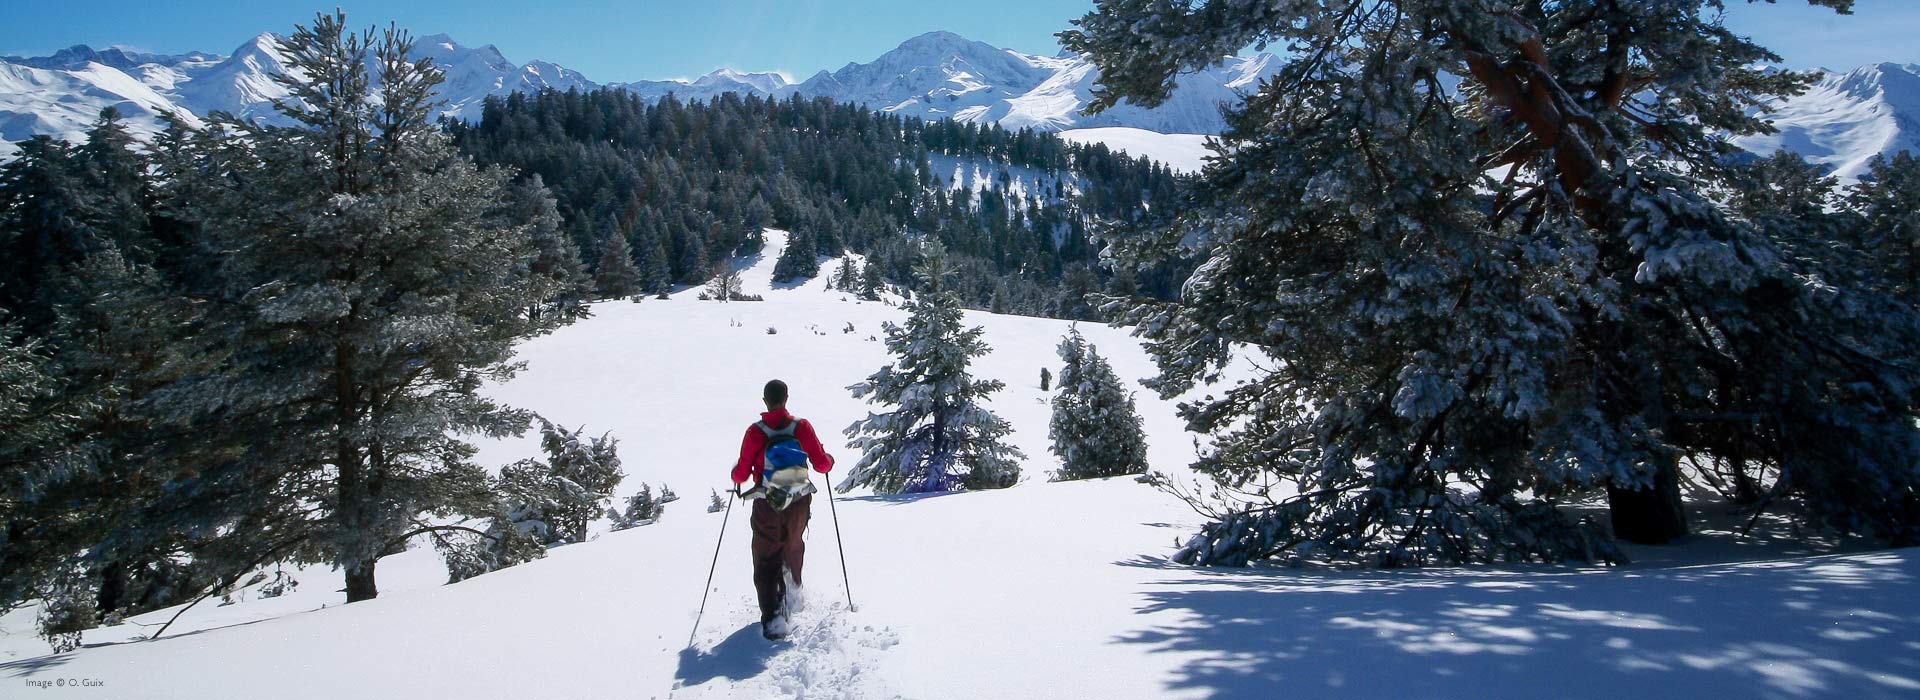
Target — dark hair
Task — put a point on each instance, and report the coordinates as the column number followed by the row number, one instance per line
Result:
column 775, row 393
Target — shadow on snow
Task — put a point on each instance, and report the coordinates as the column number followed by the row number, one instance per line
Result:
column 742, row 655
column 36, row 664
column 30, row 666
column 1829, row 627
column 896, row 499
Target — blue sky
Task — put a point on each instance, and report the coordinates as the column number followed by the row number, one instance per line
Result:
column 610, row 40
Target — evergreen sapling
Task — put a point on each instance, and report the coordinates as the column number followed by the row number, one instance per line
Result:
column 937, row 437
column 1095, row 430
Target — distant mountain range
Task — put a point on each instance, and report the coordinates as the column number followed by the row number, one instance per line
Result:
column 932, row 76
column 1842, row 122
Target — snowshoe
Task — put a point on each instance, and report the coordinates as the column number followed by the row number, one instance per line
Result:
column 782, row 488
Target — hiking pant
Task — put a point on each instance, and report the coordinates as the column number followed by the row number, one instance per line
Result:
column 778, row 546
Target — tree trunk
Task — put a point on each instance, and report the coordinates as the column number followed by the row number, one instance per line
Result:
column 1651, row 515
column 1746, row 489
column 939, row 449
column 352, row 485
column 113, row 588
column 360, row 584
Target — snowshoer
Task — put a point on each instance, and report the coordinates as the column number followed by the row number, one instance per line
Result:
column 775, row 454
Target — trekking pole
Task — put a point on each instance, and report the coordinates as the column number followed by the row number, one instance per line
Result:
column 704, row 590
column 841, row 545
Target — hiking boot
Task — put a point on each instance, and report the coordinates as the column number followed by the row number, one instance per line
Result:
column 774, row 629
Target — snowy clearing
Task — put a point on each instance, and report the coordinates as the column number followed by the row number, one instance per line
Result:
column 1184, row 153
column 1044, row 590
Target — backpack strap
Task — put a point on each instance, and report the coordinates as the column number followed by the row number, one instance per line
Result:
column 771, row 433
column 788, row 432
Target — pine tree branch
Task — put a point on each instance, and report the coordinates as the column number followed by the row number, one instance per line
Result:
column 234, row 578
column 435, row 529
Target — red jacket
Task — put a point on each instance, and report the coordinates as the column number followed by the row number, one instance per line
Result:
column 755, row 443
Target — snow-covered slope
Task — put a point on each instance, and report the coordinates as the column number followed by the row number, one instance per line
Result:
column 241, row 84
column 1846, row 119
column 79, row 55
column 941, row 74
column 60, row 95
column 61, row 103
column 934, row 75
column 1184, row 153
column 475, row 73
column 1043, row 590
column 708, row 86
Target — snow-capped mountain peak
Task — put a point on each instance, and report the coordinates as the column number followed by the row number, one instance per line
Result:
column 768, row 83
column 79, row 55
column 242, row 84
column 1845, row 119
column 454, row 58
column 937, row 41
column 1878, row 80
column 474, row 73
column 1842, row 121
column 942, row 74
column 935, row 74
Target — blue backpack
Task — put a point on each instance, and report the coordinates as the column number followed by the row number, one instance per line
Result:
column 783, row 449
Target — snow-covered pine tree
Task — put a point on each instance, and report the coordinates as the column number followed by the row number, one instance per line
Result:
column 1889, row 200
column 45, row 225
column 557, row 268
column 614, row 274
column 583, row 474
column 938, row 437
column 528, row 495
column 68, row 611
column 508, row 541
column 108, row 332
column 556, row 499
column 538, row 504
column 643, row 508
column 1095, row 430
column 688, row 259
column 798, row 261
column 870, row 281
column 650, row 258
column 115, row 174
column 724, row 286
column 846, row 277
column 370, row 282
column 34, row 451
column 122, row 330
column 1480, row 301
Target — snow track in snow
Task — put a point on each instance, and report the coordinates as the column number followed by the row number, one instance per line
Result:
column 1042, row 590
column 829, row 653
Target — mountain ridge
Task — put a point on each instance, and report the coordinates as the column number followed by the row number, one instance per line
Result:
column 933, row 75
column 1841, row 122
column 1846, row 118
